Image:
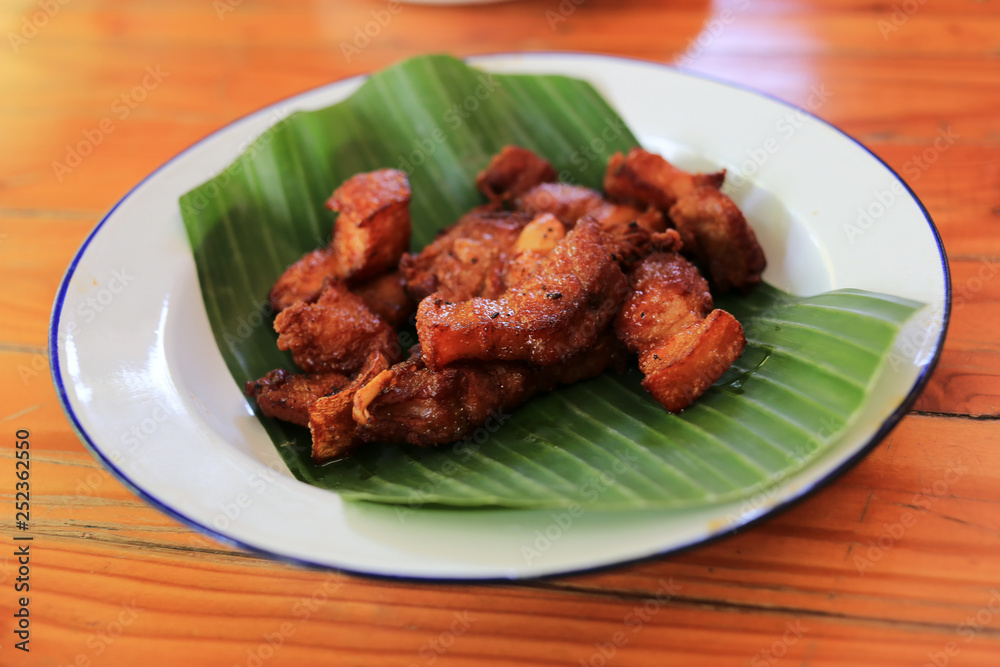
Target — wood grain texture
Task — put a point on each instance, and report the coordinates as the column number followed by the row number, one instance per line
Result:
column 894, row 563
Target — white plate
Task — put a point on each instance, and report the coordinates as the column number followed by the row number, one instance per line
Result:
column 142, row 380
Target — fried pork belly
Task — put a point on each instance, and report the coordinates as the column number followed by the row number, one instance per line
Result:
column 684, row 346
column 371, row 233
column 468, row 259
column 711, row 226
column 331, row 421
column 386, row 296
column 373, row 228
column 545, row 319
column 536, row 240
column 715, row 232
column 303, row 280
column 512, row 302
column 567, row 202
column 646, row 178
column 414, row 404
column 336, row 333
column 287, row 396
column 635, row 232
column 512, row 172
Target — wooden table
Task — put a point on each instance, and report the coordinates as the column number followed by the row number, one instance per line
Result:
column 115, row 582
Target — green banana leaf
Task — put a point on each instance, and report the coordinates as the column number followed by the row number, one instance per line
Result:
column 603, row 443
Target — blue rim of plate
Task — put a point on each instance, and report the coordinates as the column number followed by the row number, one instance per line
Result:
column 887, row 425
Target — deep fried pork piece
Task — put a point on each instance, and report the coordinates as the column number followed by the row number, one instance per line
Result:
column 536, row 240
column 287, row 396
column 567, row 202
column 646, row 178
column 715, row 232
column 373, row 228
column 512, row 172
column 331, row 420
column 711, row 226
column 371, row 233
column 635, row 232
column 386, row 296
column 468, row 258
column 303, row 280
column 335, row 333
column 684, row 346
column 545, row 319
column 411, row 403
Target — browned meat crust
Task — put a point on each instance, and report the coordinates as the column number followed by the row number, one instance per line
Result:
column 373, row 228
column 567, row 202
column 711, row 226
column 287, row 396
column 335, row 333
column 371, row 233
column 331, row 422
column 635, row 232
column 646, row 178
column 545, row 319
column 386, row 296
column 411, row 403
column 684, row 346
column 303, row 280
column 468, row 259
column 536, row 240
column 512, row 172
column 715, row 232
